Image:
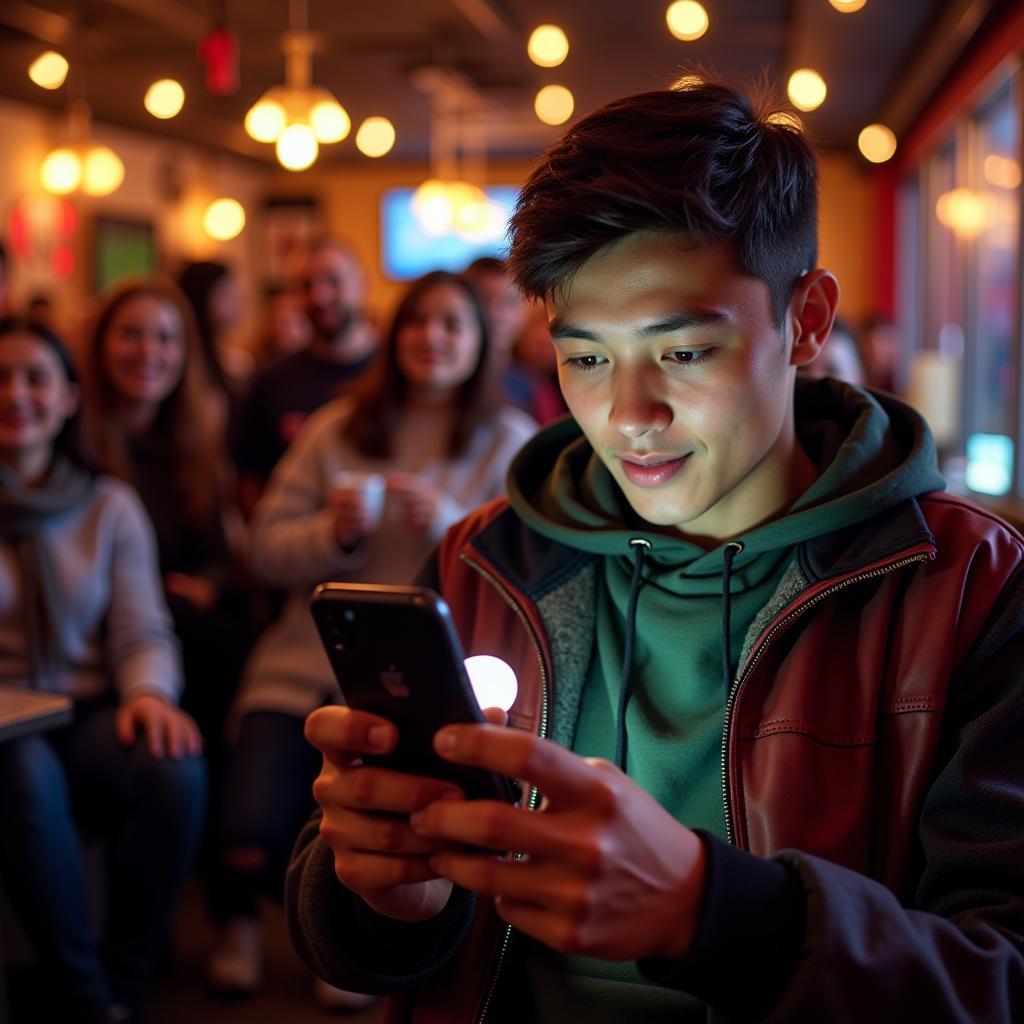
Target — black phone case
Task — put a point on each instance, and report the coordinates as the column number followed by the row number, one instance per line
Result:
column 395, row 653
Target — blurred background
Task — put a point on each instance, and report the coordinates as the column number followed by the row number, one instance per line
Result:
column 140, row 134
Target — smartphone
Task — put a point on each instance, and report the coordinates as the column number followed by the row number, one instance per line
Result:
column 395, row 653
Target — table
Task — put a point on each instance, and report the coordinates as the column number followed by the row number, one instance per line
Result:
column 23, row 712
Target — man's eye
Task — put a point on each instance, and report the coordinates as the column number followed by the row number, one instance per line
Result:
column 688, row 357
column 584, row 362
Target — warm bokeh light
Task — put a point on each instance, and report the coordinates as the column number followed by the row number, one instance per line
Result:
column 687, row 20
column 806, row 89
column 297, row 147
column 61, row 172
column 554, row 104
column 165, row 98
column 847, row 6
column 330, row 121
column 963, row 211
column 224, row 219
column 375, row 137
column 876, row 143
column 1002, row 171
column 432, row 207
column 102, row 171
column 786, row 119
column 265, row 120
column 548, row 46
column 48, row 70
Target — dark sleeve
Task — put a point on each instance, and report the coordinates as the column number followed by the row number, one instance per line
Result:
column 345, row 942
column 953, row 950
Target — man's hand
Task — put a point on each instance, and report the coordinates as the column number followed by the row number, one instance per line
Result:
column 168, row 730
column 608, row 872
column 366, row 816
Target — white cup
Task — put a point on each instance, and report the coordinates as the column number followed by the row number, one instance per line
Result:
column 372, row 488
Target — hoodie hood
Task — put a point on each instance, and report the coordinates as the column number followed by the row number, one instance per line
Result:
column 872, row 452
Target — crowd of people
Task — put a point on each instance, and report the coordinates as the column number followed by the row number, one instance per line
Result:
column 169, row 503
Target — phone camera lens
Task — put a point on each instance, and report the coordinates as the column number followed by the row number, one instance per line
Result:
column 350, row 615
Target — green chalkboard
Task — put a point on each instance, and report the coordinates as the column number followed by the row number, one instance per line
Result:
column 122, row 248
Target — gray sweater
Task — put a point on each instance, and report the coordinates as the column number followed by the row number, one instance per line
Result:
column 114, row 622
column 293, row 543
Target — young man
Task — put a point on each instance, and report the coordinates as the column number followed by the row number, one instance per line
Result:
column 770, row 677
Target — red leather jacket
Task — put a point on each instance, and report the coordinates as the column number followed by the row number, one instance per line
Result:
column 872, row 742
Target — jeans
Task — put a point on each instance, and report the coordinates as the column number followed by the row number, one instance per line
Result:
column 267, row 799
column 149, row 812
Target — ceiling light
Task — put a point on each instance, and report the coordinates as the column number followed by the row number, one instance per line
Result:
column 102, row 171
column 1001, row 171
column 224, row 219
column 554, row 104
column 806, row 89
column 375, row 137
column 61, row 171
column 548, row 46
column 329, row 120
column 297, row 147
column 265, row 119
column 687, row 20
column 48, row 70
column 876, row 143
column 847, row 6
column 963, row 211
column 165, row 98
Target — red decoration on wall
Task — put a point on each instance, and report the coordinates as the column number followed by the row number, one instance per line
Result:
column 219, row 52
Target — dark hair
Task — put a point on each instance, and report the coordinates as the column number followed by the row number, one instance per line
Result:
column 197, row 281
column 700, row 159
column 486, row 265
column 379, row 407
column 183, row 422
column 71, row 441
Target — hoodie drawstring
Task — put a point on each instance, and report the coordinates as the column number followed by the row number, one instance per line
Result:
column 640, row 546
column 732, row 549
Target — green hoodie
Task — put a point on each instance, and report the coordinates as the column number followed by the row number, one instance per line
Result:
column 871, row 451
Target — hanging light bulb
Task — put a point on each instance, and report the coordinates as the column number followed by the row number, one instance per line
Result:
column 847, row 6
column 432, row 207
column 49, row 70
column 61, row 171
column 876, row 143
column 375, row 137
column 265, row 119
column 554, row 104
column 329, row 120
column 548, row 46
column 102, row 171
column 806, row 89
column 224, row 219
column 297, row 147
column 165, row 98
column 687, row 20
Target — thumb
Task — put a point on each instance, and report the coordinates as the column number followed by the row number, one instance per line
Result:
column 496, row 716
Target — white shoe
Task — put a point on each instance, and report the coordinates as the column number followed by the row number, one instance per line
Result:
column 235, row 966
column 328, row 997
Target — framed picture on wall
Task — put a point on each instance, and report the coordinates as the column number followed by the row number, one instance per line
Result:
column 121, row 248
column 290, row 223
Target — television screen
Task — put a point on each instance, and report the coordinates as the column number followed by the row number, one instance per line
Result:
column 407, row 251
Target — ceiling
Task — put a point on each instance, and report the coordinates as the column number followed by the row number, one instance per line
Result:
column 368, row 53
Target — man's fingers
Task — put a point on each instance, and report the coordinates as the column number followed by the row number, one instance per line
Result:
column 368, row 872
column 340, row 732
column 374, row 833
column 370, row 788
column 564, row 777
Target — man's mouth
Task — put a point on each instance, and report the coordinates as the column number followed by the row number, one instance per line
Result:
column 652, row 469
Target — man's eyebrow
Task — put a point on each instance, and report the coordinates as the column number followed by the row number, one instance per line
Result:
column 669, row 325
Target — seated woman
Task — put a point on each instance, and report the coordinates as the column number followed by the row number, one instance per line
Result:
column 150, row 423
column 431, row 428
column 82, row 613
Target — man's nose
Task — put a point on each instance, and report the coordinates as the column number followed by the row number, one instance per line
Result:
column 638, row 407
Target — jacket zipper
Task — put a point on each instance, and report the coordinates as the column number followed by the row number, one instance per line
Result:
column 755, row 656
column 533, row 797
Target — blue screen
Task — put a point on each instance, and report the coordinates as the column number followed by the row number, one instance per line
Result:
column 408, row 252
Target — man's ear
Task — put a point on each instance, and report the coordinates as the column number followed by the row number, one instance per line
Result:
column 811, row 312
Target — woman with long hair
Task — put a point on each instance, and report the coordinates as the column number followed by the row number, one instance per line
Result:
column 367, row 487
column 82, row 613
column 150, row 424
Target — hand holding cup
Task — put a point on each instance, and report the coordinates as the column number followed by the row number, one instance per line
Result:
column 357, row 500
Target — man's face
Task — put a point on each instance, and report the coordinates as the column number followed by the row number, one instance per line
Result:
column 333, row 291
column 670, row 361
column 506, row 308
